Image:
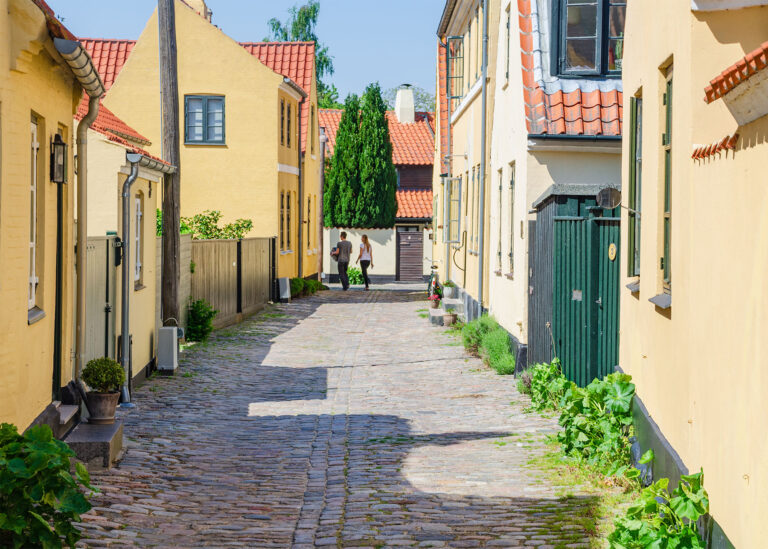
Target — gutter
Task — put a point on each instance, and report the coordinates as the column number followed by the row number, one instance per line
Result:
column 448, row 10
column 81, row 65
column 135, row 160
column 483, row 155
column 567, row 137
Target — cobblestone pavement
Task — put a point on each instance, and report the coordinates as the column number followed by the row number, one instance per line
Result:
column 340, row 420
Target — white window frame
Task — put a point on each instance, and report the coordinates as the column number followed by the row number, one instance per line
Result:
column 138, row 215
column 452, row 196
column 33, row 278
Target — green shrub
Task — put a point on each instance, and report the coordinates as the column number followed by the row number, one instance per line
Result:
column 597, row 422
column 200, row 320
column 297, row 287
column 548, row 385
column 103, row 375
column 39, row 498
column 449, row 284
column 355, row 276
column 660, row 519
column 472, row 333
column 313, row 286
column 494, row 348
column 524, row 382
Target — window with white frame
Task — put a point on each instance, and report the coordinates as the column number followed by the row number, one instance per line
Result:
column 452, row 210
column 33, row 188
column 138, row 239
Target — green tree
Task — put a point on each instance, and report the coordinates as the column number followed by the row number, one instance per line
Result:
column 342, row 182
column 205, row 226
column 376, row 202
column 301, row 26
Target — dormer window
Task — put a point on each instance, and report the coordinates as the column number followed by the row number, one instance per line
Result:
column 590, row 37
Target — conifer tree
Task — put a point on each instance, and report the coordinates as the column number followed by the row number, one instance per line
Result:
column 376, row 202
column 342, row 182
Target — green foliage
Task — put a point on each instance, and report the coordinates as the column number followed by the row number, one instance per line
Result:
column 524, row 382
column 472, row 333
column 183, row 227
column 355, row 276
column 301, row 287
column 596, row 423
column 661, row 519
column 297, row 287
column 494, row 348
column 301, row 26
column 547, row 385
column 39, row 498
column 200, row 320
column 342, row 181
column 205, row 226
column 423, row 100
column 103, row 375
column 376, row 203
column 449, row 284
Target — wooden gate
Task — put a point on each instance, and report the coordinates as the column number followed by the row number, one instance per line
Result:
column 410, row 254
column 100, row 292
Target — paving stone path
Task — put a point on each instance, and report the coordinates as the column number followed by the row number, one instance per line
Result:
column 340, row 420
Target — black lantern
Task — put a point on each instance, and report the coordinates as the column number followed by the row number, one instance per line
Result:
column 58, row 160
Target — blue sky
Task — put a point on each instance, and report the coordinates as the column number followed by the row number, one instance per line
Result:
column 391, row 42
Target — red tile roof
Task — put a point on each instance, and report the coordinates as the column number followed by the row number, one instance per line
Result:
column 115, row 130
column 55, row 27
column 741, row 71
column 414, row 204
column 728, row 143
column 412, row 144
column 295, row 60
column 584, row 110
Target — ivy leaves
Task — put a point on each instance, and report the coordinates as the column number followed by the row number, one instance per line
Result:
column 39, row 498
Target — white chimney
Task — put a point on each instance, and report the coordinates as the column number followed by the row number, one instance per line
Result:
column 404, row 108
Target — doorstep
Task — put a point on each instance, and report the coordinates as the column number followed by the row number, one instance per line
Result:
column 98, row 446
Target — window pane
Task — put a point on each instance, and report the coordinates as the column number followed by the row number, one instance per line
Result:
column 215, row 133
column 582, row 21
column 194, row 119
column 581, row 54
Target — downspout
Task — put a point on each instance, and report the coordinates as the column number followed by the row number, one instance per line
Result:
column 449, row 166
column 135, row 160
column 82, row 67
column 321, row 205
column 484, row 108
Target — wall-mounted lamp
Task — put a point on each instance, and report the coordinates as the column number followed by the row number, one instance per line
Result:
column 58, row 160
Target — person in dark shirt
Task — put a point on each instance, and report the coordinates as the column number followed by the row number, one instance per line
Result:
column 344, row 250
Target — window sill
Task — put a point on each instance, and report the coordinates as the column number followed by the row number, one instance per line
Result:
column 204, row 144
column 286, row 252
column 35, row 314
column 634, row 286
column 662, row 301
column 138, row 286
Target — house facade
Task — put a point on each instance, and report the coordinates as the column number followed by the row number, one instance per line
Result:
column 403, row 252
column 693, row 300
column 248, row 116
column 38, row 97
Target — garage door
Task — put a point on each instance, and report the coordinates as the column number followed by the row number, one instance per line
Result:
column 410, row 254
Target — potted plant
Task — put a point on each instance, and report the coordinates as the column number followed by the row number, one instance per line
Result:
column 449, row 289
column 449, row 318
column 434, row 301
column 104, row 376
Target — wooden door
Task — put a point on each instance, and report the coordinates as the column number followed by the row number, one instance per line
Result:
column 410, row 254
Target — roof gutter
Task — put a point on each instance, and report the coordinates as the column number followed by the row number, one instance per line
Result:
column 81, row 65
column 567, row 137
column 295, row 87
column 450, row 6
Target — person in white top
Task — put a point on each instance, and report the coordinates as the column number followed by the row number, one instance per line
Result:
column 365, row 259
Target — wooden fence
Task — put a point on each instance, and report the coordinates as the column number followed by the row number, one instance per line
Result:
column 234, row 276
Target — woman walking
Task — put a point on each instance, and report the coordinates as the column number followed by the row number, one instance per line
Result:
column 365, row 259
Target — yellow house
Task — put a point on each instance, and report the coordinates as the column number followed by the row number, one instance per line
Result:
column 694, row 312
column 248, row 116
column 110, row 139
column 38, row 97
column 462, row 176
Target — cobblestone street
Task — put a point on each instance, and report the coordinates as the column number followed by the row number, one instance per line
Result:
column 340, row 420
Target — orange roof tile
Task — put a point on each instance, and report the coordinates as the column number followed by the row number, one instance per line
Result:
column 741, row 71
column 727, row 143
column 55, row 27
column 412, row 144
column 294, row 60
column 414, row 204
column 585, row 110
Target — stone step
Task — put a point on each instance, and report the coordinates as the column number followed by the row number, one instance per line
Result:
column 436, row 316
column 67, row 412
column 97, row 446
column 453, row 304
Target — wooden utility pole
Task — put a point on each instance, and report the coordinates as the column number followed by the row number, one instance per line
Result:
column 169, row 88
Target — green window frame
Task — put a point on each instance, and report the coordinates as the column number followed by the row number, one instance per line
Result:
column 501, row 225
column 204, row 119
column 454, row 52
column 282, row 122
column 589, row 37
column 288, row 128
column 635, row 184
column 512, row 218
column 666, row 260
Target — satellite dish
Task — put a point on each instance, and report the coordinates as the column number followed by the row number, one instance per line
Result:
column 608, row 198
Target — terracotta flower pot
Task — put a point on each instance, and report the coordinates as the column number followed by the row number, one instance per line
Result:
column 434, row 303
column 449, row 319
column 102, row 407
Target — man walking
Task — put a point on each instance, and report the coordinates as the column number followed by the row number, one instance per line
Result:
column 344, row 249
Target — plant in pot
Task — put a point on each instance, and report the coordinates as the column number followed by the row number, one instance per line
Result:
column 450, row 317
column 449, row 289
column 104, row 376
column 434, row 301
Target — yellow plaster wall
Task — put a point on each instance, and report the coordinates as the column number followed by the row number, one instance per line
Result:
column 287, row 256
column 104, row 161
column 31, row 81
column 699, row 366
column 238, row 178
